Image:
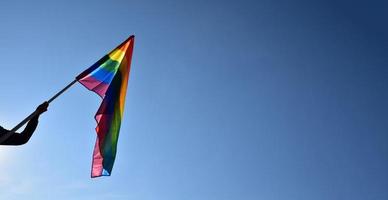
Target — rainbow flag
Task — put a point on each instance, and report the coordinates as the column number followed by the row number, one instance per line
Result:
column 108, row 77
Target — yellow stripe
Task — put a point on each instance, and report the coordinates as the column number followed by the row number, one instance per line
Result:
column 117, row 55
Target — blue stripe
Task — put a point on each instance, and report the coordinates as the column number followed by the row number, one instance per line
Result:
column 105, row 173
column 103, row 75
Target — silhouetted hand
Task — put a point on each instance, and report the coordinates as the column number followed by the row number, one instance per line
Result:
column 42, row 108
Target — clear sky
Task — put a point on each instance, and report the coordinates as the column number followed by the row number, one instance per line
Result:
column 227, row 100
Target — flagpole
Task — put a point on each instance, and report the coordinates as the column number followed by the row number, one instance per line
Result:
column 49, row 101
column 6, row 136
column 62, row 91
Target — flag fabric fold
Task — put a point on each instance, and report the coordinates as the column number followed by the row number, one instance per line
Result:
column 108, row 77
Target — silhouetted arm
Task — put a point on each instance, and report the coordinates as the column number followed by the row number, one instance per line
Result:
column 25, row 135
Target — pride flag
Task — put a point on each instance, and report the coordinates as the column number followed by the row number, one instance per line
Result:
column 108, row 77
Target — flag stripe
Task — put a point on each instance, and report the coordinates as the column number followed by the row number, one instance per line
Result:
column 117, row 55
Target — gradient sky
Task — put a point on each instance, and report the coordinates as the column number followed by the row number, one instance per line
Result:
column 227, row 100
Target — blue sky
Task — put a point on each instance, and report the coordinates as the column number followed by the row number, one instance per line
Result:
column 226, row 100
